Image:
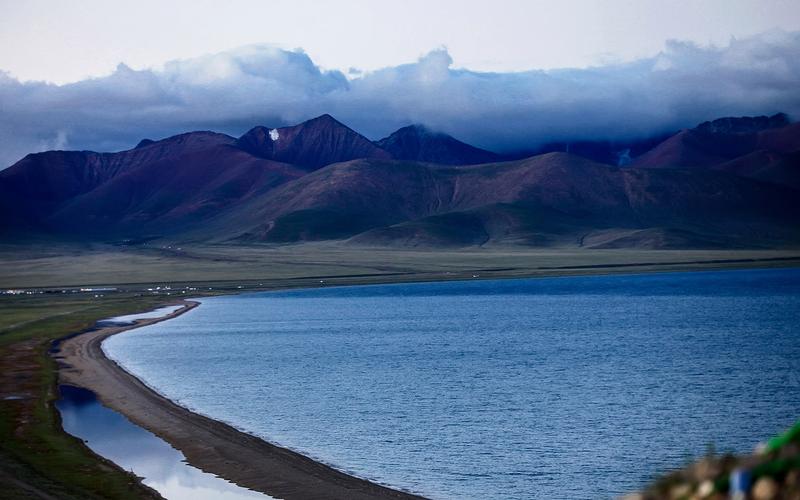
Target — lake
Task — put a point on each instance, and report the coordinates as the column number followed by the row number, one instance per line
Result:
column 163, row 468
column 576, row 387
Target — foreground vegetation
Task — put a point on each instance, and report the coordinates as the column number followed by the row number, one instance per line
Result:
column 772, row 473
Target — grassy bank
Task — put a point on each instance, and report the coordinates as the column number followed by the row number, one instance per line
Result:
column 38, row 459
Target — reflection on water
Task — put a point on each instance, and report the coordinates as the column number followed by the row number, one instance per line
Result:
column 133, row 448
column 130, row 319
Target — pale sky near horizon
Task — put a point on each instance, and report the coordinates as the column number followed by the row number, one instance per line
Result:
column 64, row 42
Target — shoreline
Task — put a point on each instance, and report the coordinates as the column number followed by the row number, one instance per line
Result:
column 210, row 445
column 214, row 446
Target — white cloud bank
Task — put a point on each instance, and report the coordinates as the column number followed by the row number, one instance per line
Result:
column 259, row 85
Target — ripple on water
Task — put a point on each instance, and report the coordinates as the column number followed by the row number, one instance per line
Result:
column 578, row 387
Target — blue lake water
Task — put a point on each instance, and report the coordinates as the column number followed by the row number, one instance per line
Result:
column 130, row 319
column 162, row 467
column 580, row 387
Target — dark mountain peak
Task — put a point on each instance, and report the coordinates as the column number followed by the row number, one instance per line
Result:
column 144, row 142
column 743, row 124
column 420, row 132
column 419, row 143
column 254, row 140
column 409, row 136
column 417, row 129
column 312, row 144
column 324, row 120
column 320, row 124
column 759, row 147
column 260, row 133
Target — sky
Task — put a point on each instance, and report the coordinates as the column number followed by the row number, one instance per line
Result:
column 504, row 75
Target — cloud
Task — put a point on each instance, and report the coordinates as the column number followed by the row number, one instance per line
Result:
column 262, row 85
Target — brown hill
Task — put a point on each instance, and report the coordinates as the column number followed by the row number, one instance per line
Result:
column 34, row 188
column 171, row 195
column 764, row 148
column 768, row 166
column 542, row 200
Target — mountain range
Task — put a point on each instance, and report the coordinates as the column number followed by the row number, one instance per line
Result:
column 727, row 183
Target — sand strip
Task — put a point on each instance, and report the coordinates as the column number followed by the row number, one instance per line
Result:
column 209, row 445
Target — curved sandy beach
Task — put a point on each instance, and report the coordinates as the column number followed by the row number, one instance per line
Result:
column 210, row 445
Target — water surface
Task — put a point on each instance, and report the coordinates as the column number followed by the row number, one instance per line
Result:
column 130, row 319
column 580, row 387
column 133, row 448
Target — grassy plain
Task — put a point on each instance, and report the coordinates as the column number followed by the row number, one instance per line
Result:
column 58, row 266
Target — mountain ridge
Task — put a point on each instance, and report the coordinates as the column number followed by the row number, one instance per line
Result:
column 419, row 143
column 312, row 144
column 321, row 180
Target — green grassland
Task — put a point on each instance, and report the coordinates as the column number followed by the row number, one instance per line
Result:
column 38, row 459
column 53, row 266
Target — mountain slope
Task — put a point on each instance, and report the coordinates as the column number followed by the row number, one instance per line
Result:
column 542, row 200
column 335, row 202
column 40, row 183
column 762, row 148
column 168, row 197
column 418, row 143
column 767, row 166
